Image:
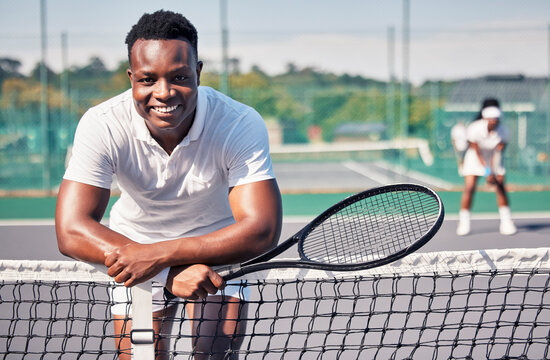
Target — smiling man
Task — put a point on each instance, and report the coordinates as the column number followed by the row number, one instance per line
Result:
column 197, row 186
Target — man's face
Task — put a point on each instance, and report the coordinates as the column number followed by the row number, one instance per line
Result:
column 165, row 75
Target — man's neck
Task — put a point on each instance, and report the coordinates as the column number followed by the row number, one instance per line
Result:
column 170, row 138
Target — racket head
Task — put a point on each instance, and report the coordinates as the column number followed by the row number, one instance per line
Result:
column 372, row 228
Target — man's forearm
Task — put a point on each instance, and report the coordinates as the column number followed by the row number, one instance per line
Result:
column 88, row 240
column 232, row 244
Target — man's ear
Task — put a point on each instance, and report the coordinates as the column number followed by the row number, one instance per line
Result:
column 199, row 70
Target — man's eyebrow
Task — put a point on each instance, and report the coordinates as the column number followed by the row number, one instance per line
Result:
column 181, row 68
column 176, row 69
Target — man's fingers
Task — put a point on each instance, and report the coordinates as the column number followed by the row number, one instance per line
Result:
column 209, row 288
column 113, row 271
column 124, row 277
column 116, row 269
column 216, row 280
column 110, row 258
column 194, row 282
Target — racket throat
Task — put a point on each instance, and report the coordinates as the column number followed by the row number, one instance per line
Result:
column 229, row 271
column 273, row 252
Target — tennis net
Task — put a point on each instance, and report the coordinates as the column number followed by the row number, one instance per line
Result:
column 490, row 304
column 380, row 149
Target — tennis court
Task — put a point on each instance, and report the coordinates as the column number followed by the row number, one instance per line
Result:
column 452, row 312
column 367, row 113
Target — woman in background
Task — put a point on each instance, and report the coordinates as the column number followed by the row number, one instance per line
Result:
column 487, row 139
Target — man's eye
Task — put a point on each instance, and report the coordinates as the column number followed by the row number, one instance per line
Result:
column 146, row 80
column 180, row 78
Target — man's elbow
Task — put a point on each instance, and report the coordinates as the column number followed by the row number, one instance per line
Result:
column 66, row 239
column 64, row 243
column 269, row 236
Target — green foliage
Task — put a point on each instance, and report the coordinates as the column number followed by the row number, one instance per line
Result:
column 298, row 98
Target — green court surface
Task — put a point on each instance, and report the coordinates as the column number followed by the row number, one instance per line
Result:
column 484, row 202
column 301, row 204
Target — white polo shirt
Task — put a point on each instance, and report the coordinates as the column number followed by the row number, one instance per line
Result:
column 163, row 196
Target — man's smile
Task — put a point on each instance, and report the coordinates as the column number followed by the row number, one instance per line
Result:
column 165, row 109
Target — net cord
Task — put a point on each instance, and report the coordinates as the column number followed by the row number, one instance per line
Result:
column 421, row 145
column 459, row 262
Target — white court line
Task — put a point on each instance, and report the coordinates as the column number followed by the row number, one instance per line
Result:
column 453, row 216
column 34, row 222
column 442, row 184
column 299, row 219
column 27, row 222
column 368, row 173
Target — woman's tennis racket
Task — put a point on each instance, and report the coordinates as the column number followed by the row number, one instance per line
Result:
column 366, row 230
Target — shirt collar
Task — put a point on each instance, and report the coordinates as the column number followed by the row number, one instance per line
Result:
column 200, row 116
column 141, row 132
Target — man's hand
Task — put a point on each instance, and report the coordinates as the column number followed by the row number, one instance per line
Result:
column 194, row 282
column 134, row 263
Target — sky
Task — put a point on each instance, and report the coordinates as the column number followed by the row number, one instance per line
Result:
column 448, row 39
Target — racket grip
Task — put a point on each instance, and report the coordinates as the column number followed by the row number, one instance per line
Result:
column 228, row 272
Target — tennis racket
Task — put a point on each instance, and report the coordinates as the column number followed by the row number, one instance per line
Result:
column 365, row 230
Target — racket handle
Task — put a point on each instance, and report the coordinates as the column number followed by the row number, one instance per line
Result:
column 228, row 272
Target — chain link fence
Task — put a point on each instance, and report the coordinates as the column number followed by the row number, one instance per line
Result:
column 311, row 106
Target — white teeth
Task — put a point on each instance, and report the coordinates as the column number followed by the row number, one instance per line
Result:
column 165, row 109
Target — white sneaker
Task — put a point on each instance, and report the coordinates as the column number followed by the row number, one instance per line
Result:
column 463, row 228
column 507, row 227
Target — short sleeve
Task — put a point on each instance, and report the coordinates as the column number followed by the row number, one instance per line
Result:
column 247, row 151
column 90, row 162
column 458, row 135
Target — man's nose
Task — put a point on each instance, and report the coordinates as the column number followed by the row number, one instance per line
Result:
column 163, row 90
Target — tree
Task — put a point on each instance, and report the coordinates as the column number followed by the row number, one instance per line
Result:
column 119, row 79
column 51, row 75
column 9, row 68
column 22, row 92
column 95, row 67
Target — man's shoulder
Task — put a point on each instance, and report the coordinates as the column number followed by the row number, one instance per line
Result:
column 117, row 106
column 219, row 101
column 113, row 116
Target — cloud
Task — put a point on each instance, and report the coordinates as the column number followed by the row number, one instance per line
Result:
column 454, row 55
column 433, row 55
column 327, row 52
column 448, row 55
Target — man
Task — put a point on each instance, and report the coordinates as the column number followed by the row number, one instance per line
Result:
column 195, row 176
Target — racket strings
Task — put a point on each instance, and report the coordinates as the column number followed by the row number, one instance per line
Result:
column 372, row 228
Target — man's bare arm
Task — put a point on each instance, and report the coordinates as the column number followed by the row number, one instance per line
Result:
column 80, row 235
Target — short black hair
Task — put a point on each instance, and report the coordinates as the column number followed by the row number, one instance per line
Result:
column 162, row 25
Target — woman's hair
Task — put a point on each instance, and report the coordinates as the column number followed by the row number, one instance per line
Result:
column 487, row 102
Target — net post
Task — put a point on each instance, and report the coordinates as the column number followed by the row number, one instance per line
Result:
column 142, row 335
